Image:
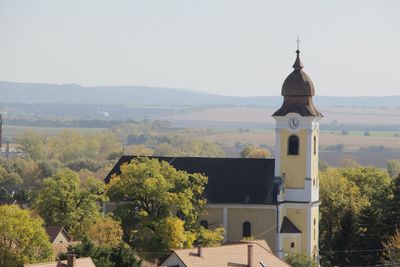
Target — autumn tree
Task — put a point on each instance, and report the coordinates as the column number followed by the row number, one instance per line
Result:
column 254, row 152
column 120, row 255
column 66, row 201
column 32, row 144
column 391, row 210
column 340, row 197
column 300, row 260
column 163, row 205
column 23, row 239
column 353, row 213
column 8, row 182
column 105, row 232
column 393, row 167
column 392, row 249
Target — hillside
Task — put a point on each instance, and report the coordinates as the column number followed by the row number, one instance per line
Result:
column 32, row 93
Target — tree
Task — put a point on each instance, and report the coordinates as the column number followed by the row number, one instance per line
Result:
column 339, row 197
column 371, row 226
column 32, row 144
column 255, row 152
column 392, row 249
column 105, row 232
column 391, row 211
column 393, row 167
column 353, row 213
column 163, row 204
column 23, row 239
column 300, row 260
column 120, row 255
column 8, row 182
column 65, row 201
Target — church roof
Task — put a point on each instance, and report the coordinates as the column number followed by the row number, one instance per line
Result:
column 297, row 91
column 298, row 83
column 288, row 227
column 230, row 180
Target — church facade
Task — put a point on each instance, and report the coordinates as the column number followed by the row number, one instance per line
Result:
column 272, row 199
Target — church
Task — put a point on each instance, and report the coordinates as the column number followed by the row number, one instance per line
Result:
column 272, row 199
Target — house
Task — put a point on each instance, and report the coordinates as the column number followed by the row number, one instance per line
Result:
column 58, row 238
column 71, row 261
column 245, row 253
column 276, row 200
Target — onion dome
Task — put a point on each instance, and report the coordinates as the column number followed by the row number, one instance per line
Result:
column 297, row 90
column 298, row 82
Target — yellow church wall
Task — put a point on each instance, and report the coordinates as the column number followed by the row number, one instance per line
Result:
column 214, row 217
column 298, row 217
column 286, row 244
column 314, row 158
column 261, row 220
column 314, row 228
column 294, row 166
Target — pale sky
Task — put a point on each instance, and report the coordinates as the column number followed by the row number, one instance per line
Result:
column 227, row 47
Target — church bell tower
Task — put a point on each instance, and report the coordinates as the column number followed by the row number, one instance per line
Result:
column 296, row 165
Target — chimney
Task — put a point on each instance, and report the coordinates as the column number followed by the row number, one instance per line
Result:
column 200, row 251
column 250, row 256
column 71, row 260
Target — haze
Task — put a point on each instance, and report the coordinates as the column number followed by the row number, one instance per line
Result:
column 227, row 47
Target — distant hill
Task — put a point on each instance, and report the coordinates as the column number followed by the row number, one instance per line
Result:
column 33, row 93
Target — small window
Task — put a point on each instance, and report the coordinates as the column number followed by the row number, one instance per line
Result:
column 315, row 145
column 246, row 229
column 292, row 245
column 293, row 146
column 315, row 221
column 204, row 223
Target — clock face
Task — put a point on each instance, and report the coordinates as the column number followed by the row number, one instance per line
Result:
column 294, row 123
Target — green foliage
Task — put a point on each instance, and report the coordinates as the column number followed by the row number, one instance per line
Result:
column 392, row 248
column 105, row 232
column 322, row 165
column 210, row 238
column 65, row 200
column 120, row 255
column 353, row 213
column 23, row 239
column 393, row 167
column 254, row 152
column 79, row 164
column 181, row 146
column 391, row 210
column 163, row 207
column 122, row 131
column 32, row 144
column 300, row 260
column 8, row 182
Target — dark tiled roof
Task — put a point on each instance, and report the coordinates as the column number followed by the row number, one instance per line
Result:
column 302, row 105
column 288, row 227
column 298, row 83
column 230, row 180
column 53, row 231
column 298, row 90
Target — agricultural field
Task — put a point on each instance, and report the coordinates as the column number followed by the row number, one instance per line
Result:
column 352, row 141
column 381, row 116
column 11, row 131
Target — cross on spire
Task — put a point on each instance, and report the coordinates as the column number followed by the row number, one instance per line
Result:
column 298, row 42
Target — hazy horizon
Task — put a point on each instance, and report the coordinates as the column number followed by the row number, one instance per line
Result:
column 226, row 47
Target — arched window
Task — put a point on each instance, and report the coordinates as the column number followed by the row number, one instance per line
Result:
column 315, row 145
column 246, row 229
column 293, row 145
column 204, row 223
